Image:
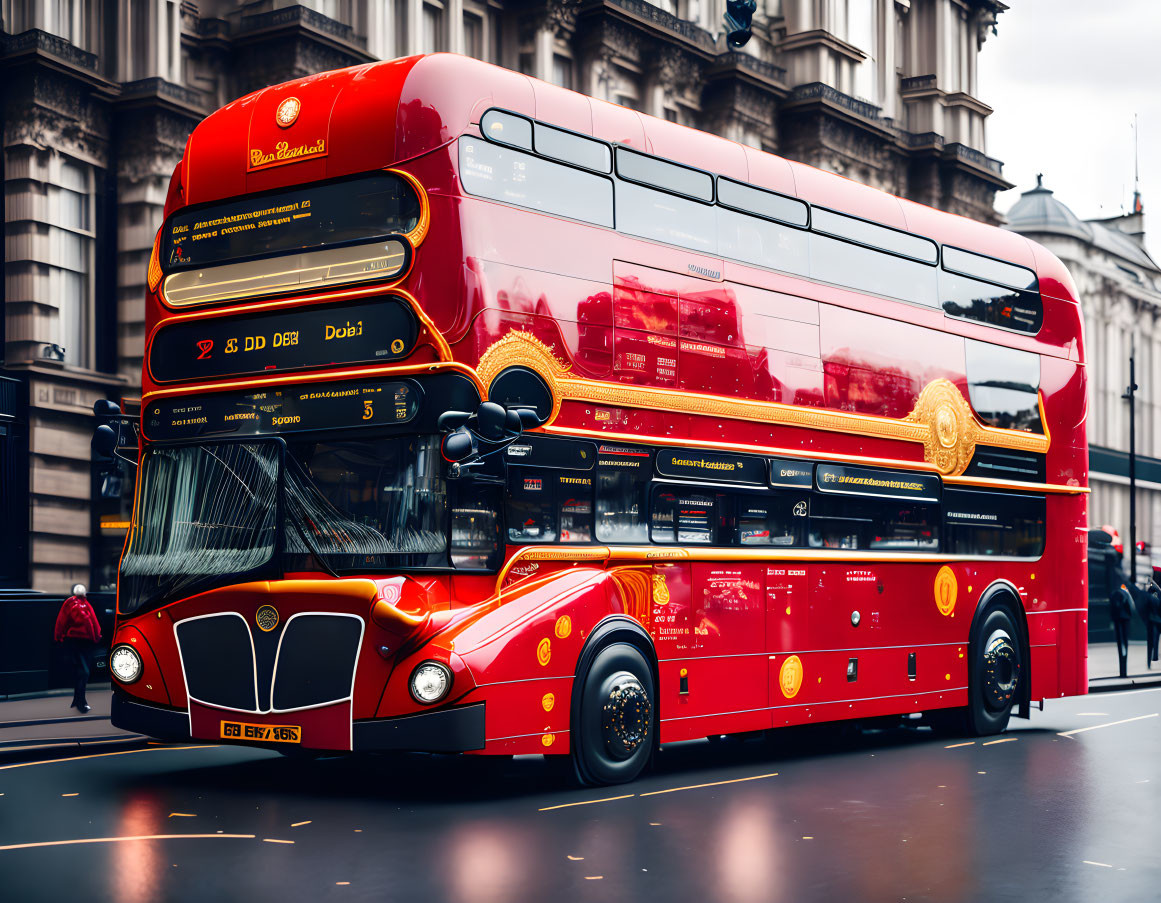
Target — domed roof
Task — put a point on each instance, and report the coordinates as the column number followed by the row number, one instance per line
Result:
column 1038, row 211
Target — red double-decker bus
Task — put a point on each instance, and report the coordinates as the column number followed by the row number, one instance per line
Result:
column 481, row 416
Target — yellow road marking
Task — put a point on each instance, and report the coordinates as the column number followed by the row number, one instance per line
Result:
column 70, row 794
column 299, row 824
column 183, row 815
column 756, row 777
column 342, row 883
column 1094, row 727
column 958, row 745
column 576, row 858
column 275, row 840
column 1002, row 740
column 594, row 877
column 1103, row 865
column 65, row 843
column 607, row 799
column 124, row 752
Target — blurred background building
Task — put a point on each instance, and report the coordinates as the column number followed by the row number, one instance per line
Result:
column 100, row 96
column 1120, row 291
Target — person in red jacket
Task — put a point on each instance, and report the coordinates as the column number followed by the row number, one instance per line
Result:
column 77, row 628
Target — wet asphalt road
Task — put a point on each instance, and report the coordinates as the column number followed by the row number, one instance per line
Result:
column 820, row 814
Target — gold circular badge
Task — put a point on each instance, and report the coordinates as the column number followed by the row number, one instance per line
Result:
column 548, row 739
column 544, row 651
column 660, row 590
column 790, row 677
column 287, row 112
column 946, row 589
column 548, row 701
column 563, row 627
column 266, row 618
column 397, row 346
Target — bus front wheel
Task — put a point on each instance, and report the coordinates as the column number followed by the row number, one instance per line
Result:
column 616, row 733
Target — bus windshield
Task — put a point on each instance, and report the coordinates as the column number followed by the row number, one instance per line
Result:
column 207, row 515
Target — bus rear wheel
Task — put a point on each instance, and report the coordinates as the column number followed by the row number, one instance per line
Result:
column 616, row 730
column 994, row 677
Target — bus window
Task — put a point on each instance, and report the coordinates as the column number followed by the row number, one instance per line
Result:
column 984, row 302
column 531, row 505
column 762, row 203
column 772, row 519
column 574, row 149
column 993, row 523
column 1003, row 385
column 692, row 183
column 844, row 263
column 503, row 174
column 665, row 217
column 894, row 525
column 761, row 242
column 685, row 516
column 622, row 498
column 475, row 528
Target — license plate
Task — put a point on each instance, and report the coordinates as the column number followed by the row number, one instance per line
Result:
column 263, row 733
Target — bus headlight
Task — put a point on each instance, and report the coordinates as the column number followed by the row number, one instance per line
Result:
column 125, row 664
column 430, row 682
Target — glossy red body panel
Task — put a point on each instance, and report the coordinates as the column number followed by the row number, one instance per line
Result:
column 634, row 312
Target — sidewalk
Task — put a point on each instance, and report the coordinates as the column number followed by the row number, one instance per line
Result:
column 1104, row 673
column 46, row 723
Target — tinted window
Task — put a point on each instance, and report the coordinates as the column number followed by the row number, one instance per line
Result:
column 475, row 528
column 685, row 515
column 874, row 236
column 987, row 268
column 1003, row 385
column 762, row 203
column 663, row 174
column 622, row 497
column 762, row 242
column 503, row 174
column 843, row 263
column 838, row 522
column 771, row 519
column 573, row 149
column 297, row 219
column 549, row 506
column 991, row 304
column 665, row 217
column 507, row 129
column 993, row 523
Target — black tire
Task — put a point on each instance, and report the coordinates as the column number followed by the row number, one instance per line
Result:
column 995, row 673
column 616, row 730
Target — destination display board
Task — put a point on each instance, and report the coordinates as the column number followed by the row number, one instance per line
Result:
column 787, row 472
column 702, row 466
column 285, row 409
column 376, row 331
column 843, row 480
column 309, row 216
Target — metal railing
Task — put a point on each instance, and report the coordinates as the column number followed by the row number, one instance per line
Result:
column 654, row 15
column 301, row 15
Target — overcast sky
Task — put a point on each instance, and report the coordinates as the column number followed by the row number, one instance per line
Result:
column 1065, row 78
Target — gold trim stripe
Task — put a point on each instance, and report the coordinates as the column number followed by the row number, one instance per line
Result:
column 942, row 420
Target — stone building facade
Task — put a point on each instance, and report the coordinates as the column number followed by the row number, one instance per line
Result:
column 100, row 96
column 1120, row 293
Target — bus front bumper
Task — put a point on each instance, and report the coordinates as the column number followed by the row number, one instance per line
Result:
column 446, row 731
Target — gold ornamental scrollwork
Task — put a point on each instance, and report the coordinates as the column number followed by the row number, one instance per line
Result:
column 942, row 420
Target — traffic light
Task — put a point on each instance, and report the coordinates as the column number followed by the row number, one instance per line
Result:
column 738, row 16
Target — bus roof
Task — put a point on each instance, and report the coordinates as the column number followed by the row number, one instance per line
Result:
column 368, row 117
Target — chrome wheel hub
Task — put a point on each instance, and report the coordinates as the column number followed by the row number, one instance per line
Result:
column 1001, row 673
column 626, row 715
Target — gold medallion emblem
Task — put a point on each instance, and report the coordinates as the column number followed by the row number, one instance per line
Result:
column 790, row 677
column 266, row 618
column 946, row 589
column 563, row 627
column 548, row 739
column 544, row 651
column 287, row 112
column 548, row 701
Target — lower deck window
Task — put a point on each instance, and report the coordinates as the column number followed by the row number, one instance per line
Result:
column 838, row 522
column 993, row 523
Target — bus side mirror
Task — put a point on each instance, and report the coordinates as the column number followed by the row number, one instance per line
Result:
column 491, row 420
column 528, row 418
column 459, row 445
column 105, row 408
column 104, row 442
column 452, row 420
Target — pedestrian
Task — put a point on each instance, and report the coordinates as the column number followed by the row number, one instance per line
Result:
column 77, row 629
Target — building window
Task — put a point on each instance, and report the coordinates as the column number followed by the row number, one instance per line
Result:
column 473, row 35
column 433, row 41
column 71, row 244
column 562, row 71
column 495, row 38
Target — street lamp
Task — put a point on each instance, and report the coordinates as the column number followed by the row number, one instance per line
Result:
column 1130, row 397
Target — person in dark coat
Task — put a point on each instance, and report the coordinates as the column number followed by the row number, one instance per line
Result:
column 77, row 629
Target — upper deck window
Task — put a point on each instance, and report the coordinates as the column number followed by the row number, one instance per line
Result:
column 874, row 236
column 504, row 128
column 765, row 204
column 347, row 211
column 657, row 173
column 574, row 149
column 1008, row 274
